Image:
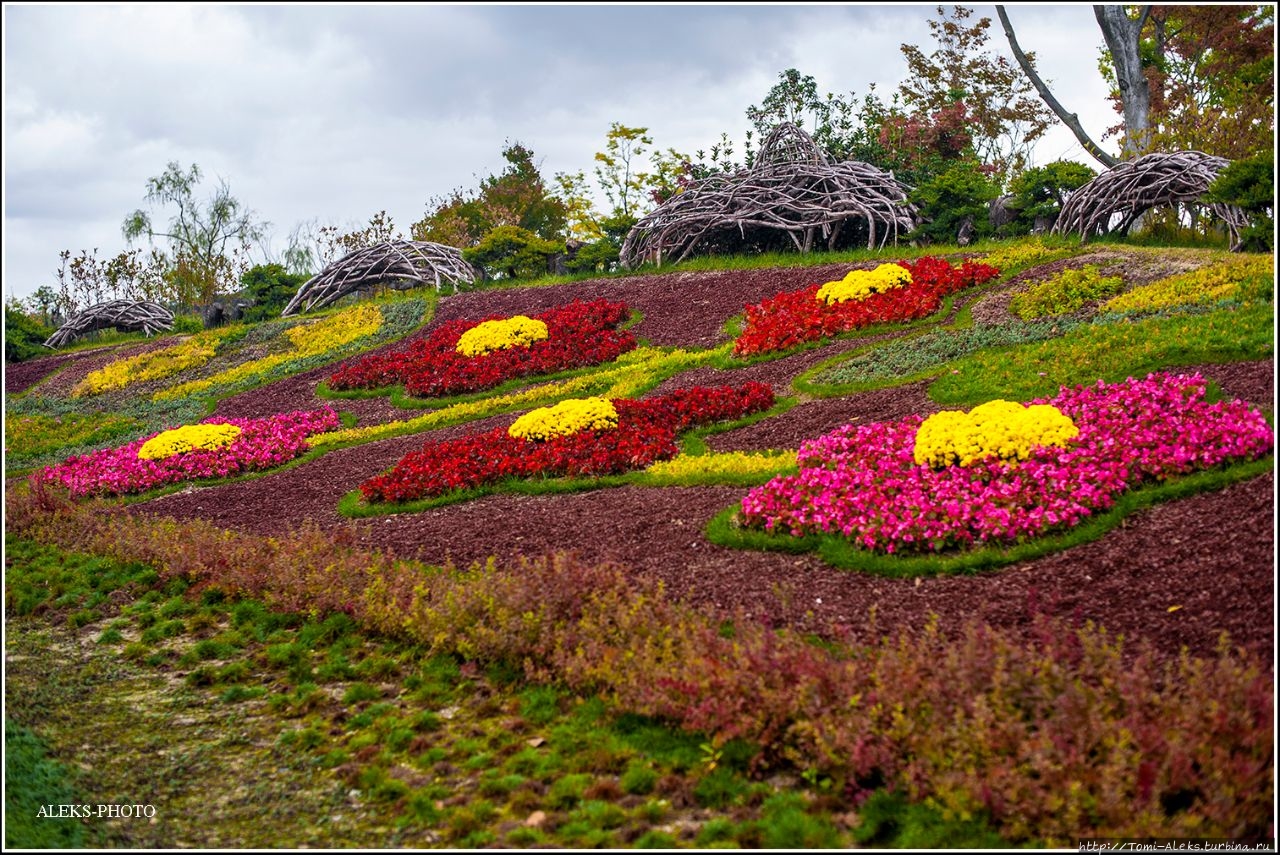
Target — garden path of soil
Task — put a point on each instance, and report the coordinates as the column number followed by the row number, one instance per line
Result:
column 1178, row 554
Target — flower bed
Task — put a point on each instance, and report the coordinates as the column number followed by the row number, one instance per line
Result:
column 863, row 483
column 254, row 444
column 577, row 335
column 645, row 432
column 154, row 364
column 307, row 340
column 797, row 317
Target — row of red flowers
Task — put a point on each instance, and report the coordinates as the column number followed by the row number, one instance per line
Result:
column 796, row 317
column 646, row 433
column 579, row 334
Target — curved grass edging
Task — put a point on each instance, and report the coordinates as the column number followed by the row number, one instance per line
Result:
column 724, row 530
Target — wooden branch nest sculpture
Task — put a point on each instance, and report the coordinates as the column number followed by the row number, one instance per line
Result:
column 1130, row 189
column 793, row 188
column 124, row 315
column 401, row 264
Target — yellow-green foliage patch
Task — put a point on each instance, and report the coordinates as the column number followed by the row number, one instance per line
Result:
column 1240, row 278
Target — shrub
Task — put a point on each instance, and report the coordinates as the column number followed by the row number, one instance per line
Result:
column 947, row 200
column 1250, row 184
column 1066, row 292
column 1041, row 191
column 513, row 253
column 24, row 337
column 269, row 287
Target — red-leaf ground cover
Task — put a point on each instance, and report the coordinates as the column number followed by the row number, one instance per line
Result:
column 579, row 335
column 796, row 317
column 646, row 433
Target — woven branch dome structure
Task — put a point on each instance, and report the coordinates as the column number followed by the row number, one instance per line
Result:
column 1130, row 189
column 793, row 188
column 124, row 315
column 401, row 264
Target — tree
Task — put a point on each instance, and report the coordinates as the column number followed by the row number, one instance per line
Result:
column 208, row 245
column 1071, row 120
column 269, row 287
column 617, row 171
column 1121, row 33
column 518, row 196
column 1004, row 115
column 1211, row 74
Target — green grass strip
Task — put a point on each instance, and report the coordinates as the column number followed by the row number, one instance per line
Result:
column 837, row 551
column 1110, row 352
column 36, row 783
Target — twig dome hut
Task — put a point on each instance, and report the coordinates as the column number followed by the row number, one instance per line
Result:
column 1130, row 189
column 793, row 189
column 402, row 264
column 124, row 315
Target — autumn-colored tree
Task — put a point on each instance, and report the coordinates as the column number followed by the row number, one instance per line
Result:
column 1211, row 73
column 1004, row 116
column 518, row 196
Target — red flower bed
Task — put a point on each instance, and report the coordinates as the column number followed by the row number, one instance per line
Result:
column 646, row 433
column 579, row 334
column 797, row 317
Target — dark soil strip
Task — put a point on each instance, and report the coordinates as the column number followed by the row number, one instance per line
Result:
column 21, row 376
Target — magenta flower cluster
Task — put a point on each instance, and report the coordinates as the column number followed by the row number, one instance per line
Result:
column 862, row 482
column 262, row 444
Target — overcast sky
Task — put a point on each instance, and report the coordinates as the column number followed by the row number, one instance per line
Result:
column 333, row 113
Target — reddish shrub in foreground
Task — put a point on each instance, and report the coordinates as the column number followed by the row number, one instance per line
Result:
column 579, row 335
column 796, row 317
column 646, row 433
column 1055, row 738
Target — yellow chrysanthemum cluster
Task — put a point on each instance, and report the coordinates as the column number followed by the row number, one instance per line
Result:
column 518, row 331
column 188, row 438
column 861, row 284
column 308, row 340
column 154, row 365
column 566, row 417
column 1005, row 429
column 1231, row 279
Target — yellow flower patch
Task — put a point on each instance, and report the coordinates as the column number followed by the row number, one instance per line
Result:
column 565, row 418
column 154, row 365
column 188, row 438
column 310, row 339
column 1005, row 429
column 1223, row 281
column 518, row 331
column 729, row 463
column 861, row 284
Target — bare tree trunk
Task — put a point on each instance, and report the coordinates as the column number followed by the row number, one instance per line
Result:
column 1071, row 120
column 1121, row 34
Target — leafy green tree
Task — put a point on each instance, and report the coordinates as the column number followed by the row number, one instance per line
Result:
column 518, row 196
column 207, row 243
column 617, row 169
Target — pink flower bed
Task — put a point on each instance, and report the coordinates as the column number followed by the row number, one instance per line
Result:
column 262, row 444
column 862, row 482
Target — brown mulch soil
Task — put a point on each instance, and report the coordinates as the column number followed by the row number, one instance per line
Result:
column 1177, row 554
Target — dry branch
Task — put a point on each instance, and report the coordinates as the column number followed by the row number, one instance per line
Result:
column 1129, row 189
column 124, row 315
column 401, row 264
column 793, row 188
